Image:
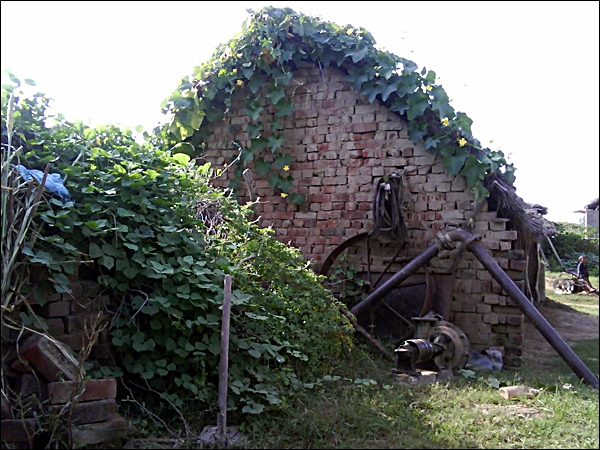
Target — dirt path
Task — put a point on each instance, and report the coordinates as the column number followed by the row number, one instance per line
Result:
column 571, row 325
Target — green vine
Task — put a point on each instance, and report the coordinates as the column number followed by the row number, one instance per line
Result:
column 147, row 225
column 271, row 44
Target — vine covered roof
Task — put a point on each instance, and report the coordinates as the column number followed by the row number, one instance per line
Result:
column 263, row 56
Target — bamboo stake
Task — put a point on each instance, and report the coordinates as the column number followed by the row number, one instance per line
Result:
column 224, row 364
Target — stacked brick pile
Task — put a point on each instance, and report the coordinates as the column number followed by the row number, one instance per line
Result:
column 44, row 372
column 341, row 145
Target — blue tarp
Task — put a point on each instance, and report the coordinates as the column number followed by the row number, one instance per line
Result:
column 54, row 182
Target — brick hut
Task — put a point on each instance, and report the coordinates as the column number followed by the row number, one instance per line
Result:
column 347, row 165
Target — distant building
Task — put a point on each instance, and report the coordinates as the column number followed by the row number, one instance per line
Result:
column 590, row 215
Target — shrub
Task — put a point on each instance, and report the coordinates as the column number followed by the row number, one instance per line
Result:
column 571, row 241
column 149, row 227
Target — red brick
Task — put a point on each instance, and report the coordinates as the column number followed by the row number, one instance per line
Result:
column 86, row 305
column 53, row 361
column 89, row 412
column 16, row 430
column 514, row 319
column 29, row 384
column 115, row 427
column 60, row 392
column 56, row 326
column 56, row 309
column 518, row 265
column 364, row 127
column 22, row 366
column 6, row 409
column 75, row 341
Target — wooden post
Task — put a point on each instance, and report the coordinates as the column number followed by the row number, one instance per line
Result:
column 224, row 364
column 556, row 253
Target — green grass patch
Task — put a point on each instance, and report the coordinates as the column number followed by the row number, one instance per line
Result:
column 354, row 412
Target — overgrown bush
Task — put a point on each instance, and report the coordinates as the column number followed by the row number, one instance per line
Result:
column 571, row 241
column 146, row 223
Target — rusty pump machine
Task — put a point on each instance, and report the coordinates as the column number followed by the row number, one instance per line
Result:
column 436, row 352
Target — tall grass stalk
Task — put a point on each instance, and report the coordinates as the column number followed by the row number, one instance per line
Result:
column 20, row 201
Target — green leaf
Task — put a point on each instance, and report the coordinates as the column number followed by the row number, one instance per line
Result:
column 170, row 345
column 440, row 102
column 283, row 160
column 89, row 133
column 473, row 170
column 256, row 83
column 480, row 192
column 107, row 261
column 388, row 91
column 359, row 53
column 138, row 346
column 275, row 141
column 464, row 122
column 131, row 272
column 276, row 94
column 455, row 163
column 95, row 251
column 297, row 199
column 183, row 147
column 254, row 408
column 431, row 142
column 284, row 108
column 417, row 104
column 181, row 158
column 262, row 167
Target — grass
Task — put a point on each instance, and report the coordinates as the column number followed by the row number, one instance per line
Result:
column 460, row 413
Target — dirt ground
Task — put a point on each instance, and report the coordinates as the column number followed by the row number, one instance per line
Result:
column 571, row 325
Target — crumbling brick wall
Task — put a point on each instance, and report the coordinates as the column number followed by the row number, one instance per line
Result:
column 38, row 372
column 341, row 145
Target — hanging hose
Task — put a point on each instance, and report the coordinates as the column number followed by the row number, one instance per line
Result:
column 388, row 223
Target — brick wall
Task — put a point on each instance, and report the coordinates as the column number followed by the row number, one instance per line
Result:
column 341, row 145
column 39, row 371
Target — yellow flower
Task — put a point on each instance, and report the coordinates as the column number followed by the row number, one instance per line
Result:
column 239, row 82
column 445, row 121
column 286, row 168
column 283, row 194
column 462, row 142
column 234, row 70
column 428, row 88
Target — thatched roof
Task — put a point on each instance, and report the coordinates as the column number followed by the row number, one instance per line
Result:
column 593, row 204
column 528, row 219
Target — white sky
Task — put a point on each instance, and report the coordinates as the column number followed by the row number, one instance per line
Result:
column 525, row 72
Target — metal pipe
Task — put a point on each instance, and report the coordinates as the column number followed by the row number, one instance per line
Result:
column 536, row 318
column 395, row 280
